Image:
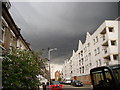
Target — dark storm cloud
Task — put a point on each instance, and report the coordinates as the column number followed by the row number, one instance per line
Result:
column 60, row 25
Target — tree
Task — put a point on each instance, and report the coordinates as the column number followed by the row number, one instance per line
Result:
column 59, row 79
column 20, row 68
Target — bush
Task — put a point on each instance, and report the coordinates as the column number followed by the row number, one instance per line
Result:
column 20, row 67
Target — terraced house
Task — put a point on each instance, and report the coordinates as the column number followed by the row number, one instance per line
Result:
column 99, row 49
column 11, row 35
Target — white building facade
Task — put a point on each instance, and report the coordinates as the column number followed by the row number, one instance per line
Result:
column 99, row 49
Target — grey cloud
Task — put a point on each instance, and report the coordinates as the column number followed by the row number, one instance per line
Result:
column 60, row 25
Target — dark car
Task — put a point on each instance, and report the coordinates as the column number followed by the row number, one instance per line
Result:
column 77, row 83
column 62, row 82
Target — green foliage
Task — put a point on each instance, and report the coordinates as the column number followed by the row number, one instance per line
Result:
column 20, row 68
column 59, row 79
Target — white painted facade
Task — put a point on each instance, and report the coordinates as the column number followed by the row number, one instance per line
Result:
column 13, row 40
column 99, row 49
column 21, row 44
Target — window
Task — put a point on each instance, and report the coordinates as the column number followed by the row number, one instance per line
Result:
column 88, row 44
column 87, row 67
column 108, row 76
column 86, row 58
column 115, row 57
column 97, row 77
column 2, row 32
column 98, row 49
column 113, row 42
column 99, row 62
column 94, row 41
column 95, row 52
column 103, row 37
column 2, row 35
column 85, row 49
column 80, row 70
column 105, row 50
column 89, row 54
column 90, row 64
column 102, row 79
column 117, row 73
column 110, row 29
column 96, row 38
column 82, row 61
column 83, row 69
column 81, row 53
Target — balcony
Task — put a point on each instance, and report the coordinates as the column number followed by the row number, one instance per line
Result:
column 103, row 31
column 105, row 44
column 114, row 49
column 107, row 59
column 106, row 51
column 104, row 39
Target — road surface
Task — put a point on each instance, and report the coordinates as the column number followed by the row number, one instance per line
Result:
column 69, row 87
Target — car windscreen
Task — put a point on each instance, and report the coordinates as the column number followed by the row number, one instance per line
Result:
column 116, row 72
column 55, row 83
column 77, row 81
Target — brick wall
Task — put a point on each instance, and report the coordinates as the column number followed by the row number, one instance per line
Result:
column 85, row 79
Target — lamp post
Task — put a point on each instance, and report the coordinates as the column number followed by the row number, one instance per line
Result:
column 49, row 50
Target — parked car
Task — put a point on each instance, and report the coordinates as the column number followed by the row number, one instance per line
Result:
column 62, row 82
column 54, row 85
column 68, row 81
column 77, row 83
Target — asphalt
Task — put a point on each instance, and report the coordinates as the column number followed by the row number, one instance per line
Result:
column 69, row 87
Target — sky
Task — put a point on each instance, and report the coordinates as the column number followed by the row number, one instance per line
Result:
column 60, row 24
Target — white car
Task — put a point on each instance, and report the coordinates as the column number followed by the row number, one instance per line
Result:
column 68, row 82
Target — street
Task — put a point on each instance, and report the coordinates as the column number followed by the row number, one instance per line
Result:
column 46, row 46
column 69, row 87
column 85, row 87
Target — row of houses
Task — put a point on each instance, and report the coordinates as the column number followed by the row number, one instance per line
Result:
column 10, row 32
column 99, row 49
column 10, row 35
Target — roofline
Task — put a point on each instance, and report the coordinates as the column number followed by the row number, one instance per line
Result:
column 108, row 66
column 13, row 27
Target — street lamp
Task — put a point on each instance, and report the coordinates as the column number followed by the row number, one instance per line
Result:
column 50, row 50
